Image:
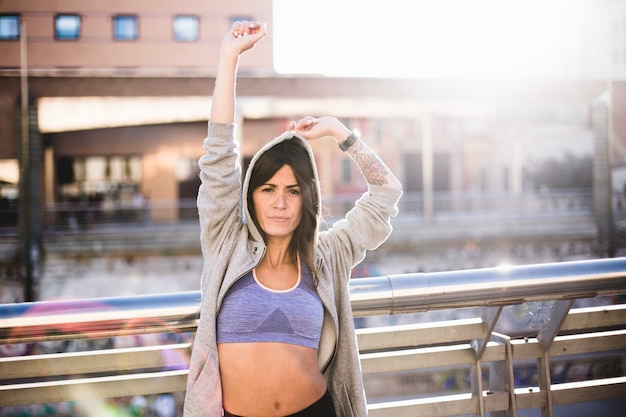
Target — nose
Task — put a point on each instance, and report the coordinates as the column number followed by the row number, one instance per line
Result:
column 279, row 201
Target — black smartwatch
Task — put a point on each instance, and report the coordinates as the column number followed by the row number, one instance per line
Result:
column 350, row 140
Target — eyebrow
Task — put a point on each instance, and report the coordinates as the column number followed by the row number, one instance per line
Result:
column 275, row 185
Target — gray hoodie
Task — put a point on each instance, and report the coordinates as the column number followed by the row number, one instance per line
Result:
column 232, row 246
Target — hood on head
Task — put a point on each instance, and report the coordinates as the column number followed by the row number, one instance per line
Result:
column 288, row 135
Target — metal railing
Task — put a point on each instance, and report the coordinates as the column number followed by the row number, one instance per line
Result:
column 511, row 334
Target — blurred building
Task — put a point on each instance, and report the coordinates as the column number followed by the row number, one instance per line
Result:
column 119, row 94
column 118, row 91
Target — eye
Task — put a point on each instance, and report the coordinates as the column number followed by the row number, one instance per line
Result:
column 266, row 189
column 294, row 191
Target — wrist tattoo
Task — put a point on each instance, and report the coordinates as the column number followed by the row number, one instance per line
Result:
column 373, row 169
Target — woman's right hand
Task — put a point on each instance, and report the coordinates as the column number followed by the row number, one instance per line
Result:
column 243, row 35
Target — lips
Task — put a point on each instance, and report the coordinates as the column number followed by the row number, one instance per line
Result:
column 279, row 219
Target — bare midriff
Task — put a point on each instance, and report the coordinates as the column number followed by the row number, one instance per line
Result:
column 269, row 379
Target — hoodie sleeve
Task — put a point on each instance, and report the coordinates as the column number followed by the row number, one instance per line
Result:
column 366, row 226
column 220, row 188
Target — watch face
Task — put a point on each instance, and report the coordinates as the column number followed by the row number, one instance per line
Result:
column 345, row 145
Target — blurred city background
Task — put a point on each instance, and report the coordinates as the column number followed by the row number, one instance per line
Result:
column 504, row 120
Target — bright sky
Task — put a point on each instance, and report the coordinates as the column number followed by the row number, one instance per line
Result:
column 427, row 38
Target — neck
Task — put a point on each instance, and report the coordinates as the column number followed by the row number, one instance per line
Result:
column 277, row 255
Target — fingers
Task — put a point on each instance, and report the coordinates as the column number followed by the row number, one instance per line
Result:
column 245, row 28
column 313, row 128
column 244, row 35
column 305, row 123
column 307, row 127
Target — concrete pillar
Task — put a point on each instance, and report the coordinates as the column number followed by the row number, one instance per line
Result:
column 160, row 185
column 602, row 181
column 517, row 166
column 427, row 167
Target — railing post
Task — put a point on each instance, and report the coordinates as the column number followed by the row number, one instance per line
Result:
column 501, row 376
column 545, row 382
column 490, row 317
column 476, row 377
column 553, row 322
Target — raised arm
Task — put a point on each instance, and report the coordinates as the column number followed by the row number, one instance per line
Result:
column 368, row 223
column 373, row 168
column 241, row 37
column 220, row 171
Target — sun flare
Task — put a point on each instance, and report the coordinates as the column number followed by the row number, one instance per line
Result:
column 426, row 38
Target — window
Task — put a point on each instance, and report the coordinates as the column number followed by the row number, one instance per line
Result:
column 67, row 26
column 9, row 27
column 186, row 28
column 234, row 19
column 125, row 27
column 97, row 174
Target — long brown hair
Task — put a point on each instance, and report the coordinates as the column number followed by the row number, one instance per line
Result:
column 290, row 152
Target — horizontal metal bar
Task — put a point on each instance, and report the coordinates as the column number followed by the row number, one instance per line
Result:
column 420, row 334
column 436, row 407
column 442, row 406
column 571, row 345
column 88, row 388
column 572, row 392
column 99, row 317
column 595, row 317
column 419, row 292
column 166, row 357
column 590, row 390
column 430, row 357
column 54, row 320
column 589, row 343
column 530, row 397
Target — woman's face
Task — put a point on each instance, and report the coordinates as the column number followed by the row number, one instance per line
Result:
column 278, row 204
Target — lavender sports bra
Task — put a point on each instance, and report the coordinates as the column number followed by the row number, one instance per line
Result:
column 251, row 312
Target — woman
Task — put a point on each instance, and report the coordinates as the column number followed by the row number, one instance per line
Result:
column 276, row 335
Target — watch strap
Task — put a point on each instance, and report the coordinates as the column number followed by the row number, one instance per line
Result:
column 350, row 140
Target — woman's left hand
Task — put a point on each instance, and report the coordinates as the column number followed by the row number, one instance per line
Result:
column 312, row 128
